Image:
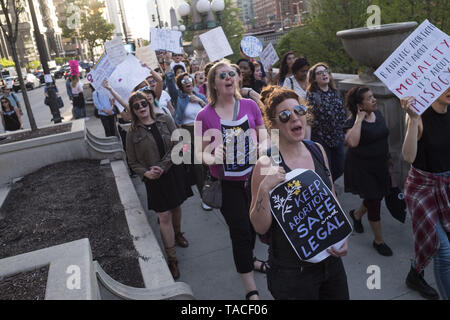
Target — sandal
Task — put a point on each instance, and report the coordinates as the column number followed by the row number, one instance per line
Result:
column 264, row 266
column 251, row 293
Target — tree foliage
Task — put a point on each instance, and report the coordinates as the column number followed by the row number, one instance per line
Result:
column 317, row 40
column 95, row 29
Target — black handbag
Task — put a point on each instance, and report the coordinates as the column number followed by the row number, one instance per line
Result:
column 60, row 102
column 212, row 192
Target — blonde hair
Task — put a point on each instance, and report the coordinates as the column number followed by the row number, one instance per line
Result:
column 212, row 92
column 75, row 80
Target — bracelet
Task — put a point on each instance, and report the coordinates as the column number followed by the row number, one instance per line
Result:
column 248, row 93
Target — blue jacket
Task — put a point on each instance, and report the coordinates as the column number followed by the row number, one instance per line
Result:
column 69, row 88
column 182, row 102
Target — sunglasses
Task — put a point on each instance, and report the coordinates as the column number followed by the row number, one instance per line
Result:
column 145, row 89
column 4, row 101
column 223, row 75
column 321, row 73
column 285, row 115
column 187, row 80
column 139, row 105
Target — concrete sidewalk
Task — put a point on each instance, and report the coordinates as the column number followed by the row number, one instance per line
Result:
column 207, row 264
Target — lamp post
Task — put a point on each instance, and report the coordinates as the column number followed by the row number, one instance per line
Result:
column 202, row 18
column 51, row 89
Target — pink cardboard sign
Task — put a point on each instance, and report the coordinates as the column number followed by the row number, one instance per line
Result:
column 74, row 67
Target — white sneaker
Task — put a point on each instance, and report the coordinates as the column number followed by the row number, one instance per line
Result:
column 206, row 207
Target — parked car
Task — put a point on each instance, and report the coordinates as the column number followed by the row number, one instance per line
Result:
column 31, row 81
column 12, row 82
column 62, row 72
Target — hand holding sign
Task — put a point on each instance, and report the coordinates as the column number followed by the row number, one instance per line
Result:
column 310, row 216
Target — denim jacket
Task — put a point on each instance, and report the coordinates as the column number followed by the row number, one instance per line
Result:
column 180, row 98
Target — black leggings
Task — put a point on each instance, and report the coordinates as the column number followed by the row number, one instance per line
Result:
column 235, row 210
column 373, row 209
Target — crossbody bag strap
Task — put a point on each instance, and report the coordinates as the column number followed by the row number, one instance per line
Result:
column 236, row 110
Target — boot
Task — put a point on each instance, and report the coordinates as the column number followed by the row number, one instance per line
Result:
column 415, row 281
column 172, row 262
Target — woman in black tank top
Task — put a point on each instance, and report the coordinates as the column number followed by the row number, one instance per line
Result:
column 427, row 192
column 288, row 277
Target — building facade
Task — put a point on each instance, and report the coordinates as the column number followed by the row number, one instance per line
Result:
column 275, row 14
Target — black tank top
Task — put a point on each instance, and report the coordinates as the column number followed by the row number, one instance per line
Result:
column 433, row 148
column 280, row 251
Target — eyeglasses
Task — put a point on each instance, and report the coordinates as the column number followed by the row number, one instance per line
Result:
column 139, row 105
column 145, row 89
column 186, row 80
column 151, row 81
column 285, row 115
column 223, row 75
column 321, row 73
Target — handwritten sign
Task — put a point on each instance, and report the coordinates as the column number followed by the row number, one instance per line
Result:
column 127, row 76
column 165, row 39
column 419, row 67
column 251, row 46
column 102, row 70
column 116, row 51
column 240, row 144
column 147, row 56
column 216, row 44
column 269, row 56
column 309, row 215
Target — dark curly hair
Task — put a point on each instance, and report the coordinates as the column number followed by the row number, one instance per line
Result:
column 180, row 77
column 354, row 97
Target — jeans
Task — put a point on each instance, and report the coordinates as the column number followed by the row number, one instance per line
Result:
column 326, row 280
column 442, row 263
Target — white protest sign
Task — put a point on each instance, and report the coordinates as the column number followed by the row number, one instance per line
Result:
column 419, row 67
column 309, row 215
column 127, row 76
column 147, row 56
column 102, row 70
column 251, row 46
column 116, row 51
column 165, row 39
column 269, row 57
column 216, row 44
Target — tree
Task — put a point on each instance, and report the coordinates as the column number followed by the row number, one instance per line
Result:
column 95, row 29
column 12, row 10
column 318, row 42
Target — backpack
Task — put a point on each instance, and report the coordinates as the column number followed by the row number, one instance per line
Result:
column 315, row 152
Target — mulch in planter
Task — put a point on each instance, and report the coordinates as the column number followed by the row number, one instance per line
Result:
column 25, row 286
column 17, row 136
column 65, row 202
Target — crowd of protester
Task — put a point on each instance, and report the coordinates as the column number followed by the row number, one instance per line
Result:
column 319, row 129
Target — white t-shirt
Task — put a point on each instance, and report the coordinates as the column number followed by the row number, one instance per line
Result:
column 164, row 99
column 190, row 114
column 291, row 81
column 78, row 88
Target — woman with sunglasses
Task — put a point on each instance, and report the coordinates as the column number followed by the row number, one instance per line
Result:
column 11, row 117
column 149, row 148
column 225, row 103
column 366, row 161
column 288, row 277
column 327, row 109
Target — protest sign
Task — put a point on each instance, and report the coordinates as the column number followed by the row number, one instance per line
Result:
column 309, row 215
column 127, row 76
column 116, row 51
column 74, row 67
column 216, row 44
column 269, row 56
column 165, row 39
column 419, row 67
column 239, row 141
column 251, row 46
column 101, row 70
column 147, row 56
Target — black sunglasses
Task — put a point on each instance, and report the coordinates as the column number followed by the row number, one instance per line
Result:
column 285, row 115
column 136, row 106
column 223, row 75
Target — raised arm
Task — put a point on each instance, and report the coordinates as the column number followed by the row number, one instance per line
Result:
column 353, row 135
column 116, row 96
column 413, row 130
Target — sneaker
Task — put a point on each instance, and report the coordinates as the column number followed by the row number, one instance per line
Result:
column 357, row 224
column 206, row 207
column 415, row 281
column 383, row 249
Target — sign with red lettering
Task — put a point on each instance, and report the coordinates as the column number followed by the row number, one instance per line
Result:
column 419, row 67
column 309, row 215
